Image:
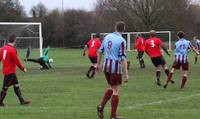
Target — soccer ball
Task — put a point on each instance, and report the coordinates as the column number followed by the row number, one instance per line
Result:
column 51, row 60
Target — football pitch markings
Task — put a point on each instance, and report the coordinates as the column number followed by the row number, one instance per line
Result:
column 161, row 101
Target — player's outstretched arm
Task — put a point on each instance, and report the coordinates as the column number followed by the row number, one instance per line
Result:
column 84, row 50
column 166, row 51
column 195, row 50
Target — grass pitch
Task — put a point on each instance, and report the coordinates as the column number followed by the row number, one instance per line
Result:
column 66, row 93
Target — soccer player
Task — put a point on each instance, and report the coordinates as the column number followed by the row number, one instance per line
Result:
column 140, row 46
column 153, row 47
column 93, row 45
column 197, row 46
column 44, row 61
column 114, row 50
column 9, row 59
column 181, row 58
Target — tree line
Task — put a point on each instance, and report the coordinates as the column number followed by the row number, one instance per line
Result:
column 72, row 28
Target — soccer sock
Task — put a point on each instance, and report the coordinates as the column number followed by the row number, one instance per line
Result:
column 114, row 105
column 90, row 69
column 106, row 97
column 19, row 94
column 184, row 79
column 158, row 73
column 3, row 95
column 195, row 59
column 93, row 72
column 141, row 63
column 169, row 78
column 167, row 72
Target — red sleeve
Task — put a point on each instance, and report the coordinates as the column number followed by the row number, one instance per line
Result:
column 161, row 44
column 99, row 44
column 17, row 61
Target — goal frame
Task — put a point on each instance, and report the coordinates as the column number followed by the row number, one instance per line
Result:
column 29, row 23
column 130, row 33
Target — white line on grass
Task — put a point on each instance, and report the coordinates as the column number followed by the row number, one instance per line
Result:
column 162, row 101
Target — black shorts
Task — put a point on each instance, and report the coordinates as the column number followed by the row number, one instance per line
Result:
column 10, row 80
column 185, row 66
column 157, row 61
column 140, row 54
column 93, row 60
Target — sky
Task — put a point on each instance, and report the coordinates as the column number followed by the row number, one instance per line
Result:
column 52, row 4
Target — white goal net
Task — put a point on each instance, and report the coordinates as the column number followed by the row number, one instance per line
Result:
column 28, row 34
column 130, row 37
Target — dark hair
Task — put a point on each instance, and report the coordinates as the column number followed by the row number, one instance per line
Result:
column 97, row 35
column 181, row 34
column 120, row 26
column 12, row 38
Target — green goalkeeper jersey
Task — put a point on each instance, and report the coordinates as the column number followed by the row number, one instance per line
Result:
column 45, row 55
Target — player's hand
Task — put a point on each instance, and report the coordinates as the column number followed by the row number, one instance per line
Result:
column 127, row 78
column 98, row 68
column 84, row 54
column 25, row 70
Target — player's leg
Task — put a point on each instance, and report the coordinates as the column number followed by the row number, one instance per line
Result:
column 141, row 60
column 158, row 74
column 106, row 97
column 115, row 102
column 169, row 78
column 18, row 91
column 3, row 92
column 92, row 70
column 43, row 64
column 32, row 60
column 6, row 84
column 128, row 64
column 185, row 74
column 167, row 72
column 196, row 58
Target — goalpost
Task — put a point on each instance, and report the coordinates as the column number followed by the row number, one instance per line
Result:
column 165, row 36
column 28, row 34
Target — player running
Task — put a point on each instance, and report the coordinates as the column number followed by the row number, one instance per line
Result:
column 140, row 46
column 9, row 59
column 93, row 45
column 181, row 58
column 152, row 48
column 197, row 46
column 114, row 50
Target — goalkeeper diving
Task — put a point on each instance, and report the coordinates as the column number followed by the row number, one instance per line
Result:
column 44, row 61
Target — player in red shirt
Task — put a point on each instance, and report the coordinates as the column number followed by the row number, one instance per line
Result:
column 9, row 59
column 152, row 48
column 140, row 47
column 93, row 45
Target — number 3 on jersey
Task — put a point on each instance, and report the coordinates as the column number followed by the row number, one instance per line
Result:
column 4, row 54
column 152, row 44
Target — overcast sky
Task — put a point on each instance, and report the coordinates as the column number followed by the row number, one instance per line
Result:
column 52, row 4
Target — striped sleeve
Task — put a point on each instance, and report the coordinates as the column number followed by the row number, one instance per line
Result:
column 123, row 50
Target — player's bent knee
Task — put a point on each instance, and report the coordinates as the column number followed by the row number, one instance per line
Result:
column 16, row 86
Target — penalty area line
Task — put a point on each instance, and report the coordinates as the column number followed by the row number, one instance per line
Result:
column 162, row 101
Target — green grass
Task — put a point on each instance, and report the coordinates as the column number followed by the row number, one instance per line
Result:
column 67, row 94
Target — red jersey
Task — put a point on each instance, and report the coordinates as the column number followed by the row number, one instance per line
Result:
column 152, row 47
column 9, row 58
column 94, row 45
column 140, row 44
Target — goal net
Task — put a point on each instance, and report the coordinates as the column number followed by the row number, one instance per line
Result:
column 28, row 35
column 130, row 37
